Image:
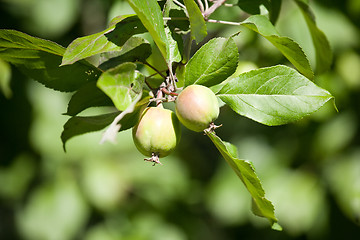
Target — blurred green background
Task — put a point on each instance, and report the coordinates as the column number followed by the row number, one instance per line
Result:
column 310, row 169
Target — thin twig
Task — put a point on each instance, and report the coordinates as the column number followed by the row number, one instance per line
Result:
column 155, row 73
column 148, row 84
column 206, row 5
column 201, row 5
column 167, row 92
column 223, row 22
column 172, row 77
column 152, row 67
column 175, row 18
column 213, row 7
column 208, row 20
column 179, row 3
column 163, row 99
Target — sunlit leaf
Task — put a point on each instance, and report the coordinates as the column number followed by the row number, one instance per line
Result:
column 173, row 50
column 288, row 47
column 171, row 10
column 261, row 206
column 273, row 96
column 40, row 60
column 122, row 84
column 321, row 44
column 136, row 49
column 172, row 30
column 197, row 21
column 212, row 63
column 111, row 39
column 150, row 14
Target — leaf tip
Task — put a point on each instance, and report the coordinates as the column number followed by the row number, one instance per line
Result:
column 64, row 63
column 63, row 140
column 276, row 226
column 334, row 104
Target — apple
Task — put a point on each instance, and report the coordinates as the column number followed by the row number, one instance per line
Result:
column 197, row 107
column 157, row 133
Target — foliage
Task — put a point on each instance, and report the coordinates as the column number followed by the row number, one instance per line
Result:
column 115, row 68
column 270, row 96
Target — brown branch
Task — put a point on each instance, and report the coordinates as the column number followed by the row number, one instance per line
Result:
column 167, row 92
column 148, row 84
column 152, row 67
column 213, row 7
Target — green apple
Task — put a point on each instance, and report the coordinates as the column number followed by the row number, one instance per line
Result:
column 157, row 133
column 197, row 107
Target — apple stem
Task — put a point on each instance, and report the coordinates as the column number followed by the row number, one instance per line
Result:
column 211, row 128
column 164, row 90
column 154, row 159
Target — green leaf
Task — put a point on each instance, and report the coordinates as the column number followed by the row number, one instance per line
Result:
column 273, row 96
column 5, row 77
column 122, row 84
column 288, row 47
column 197, row 21
column 87, row 96
column 212, row 63
column 118, row 121
column 173, row 50
column 80, row 125
column 173, row 31
column 40, row 60
column 150, row 14
column 172, row 10
column 116, row 125
column 111, row 39
column 322, row 47
column 261, row 206
column 136, row 49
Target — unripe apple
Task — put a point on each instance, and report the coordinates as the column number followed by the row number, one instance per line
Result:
column 157, row 133
column 197, row 107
